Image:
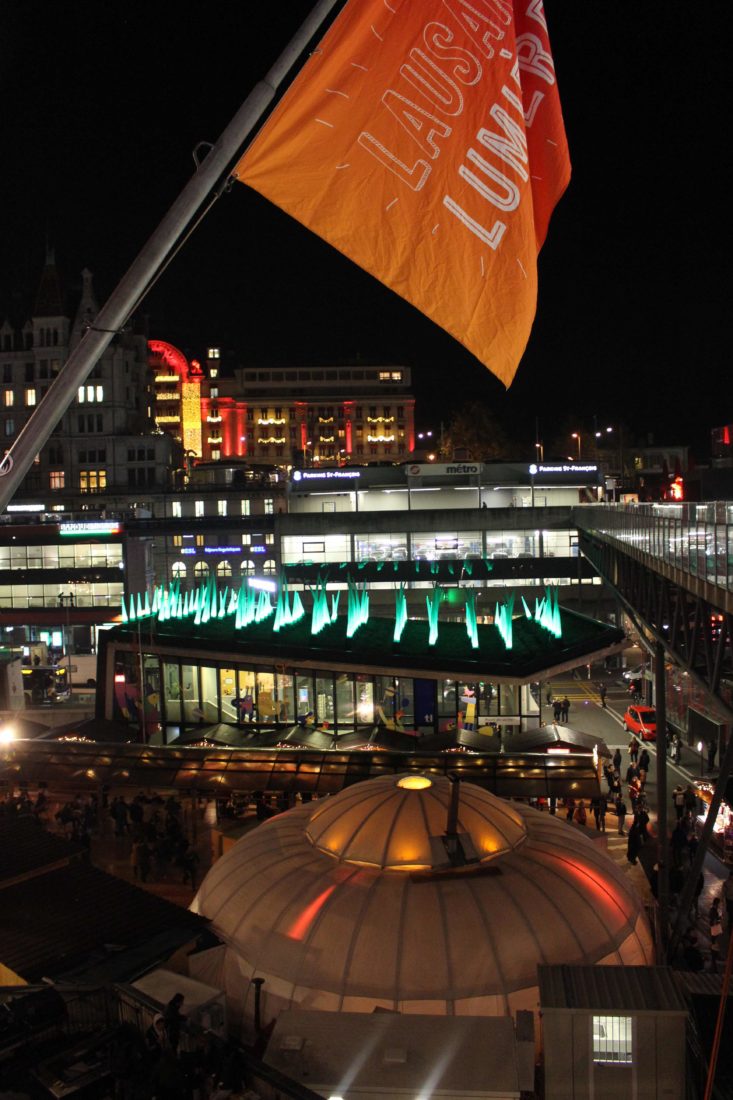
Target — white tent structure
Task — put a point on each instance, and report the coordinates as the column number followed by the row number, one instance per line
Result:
column 354, row 903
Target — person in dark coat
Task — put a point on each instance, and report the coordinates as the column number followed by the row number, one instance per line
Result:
column 174, row 1020
column 634, row 843
column 617, row 759
column 556, row 710
column 565, row 709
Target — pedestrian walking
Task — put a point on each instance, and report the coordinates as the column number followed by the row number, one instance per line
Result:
column 728, row 895
column 556, row 710
column 548, row 693
column 580, row 816
column 632, row 772
column 620, row 807
column 642, row 820
column 634, row 843
column 601, row 817
column 565, row 709
column 569, row 808
column 644, row 761
column 617, row 760
column 633, row 749
column 699, row 887
column 678, row 800
column 678, row 842
column 676, row 749
column 690, row 801
column 712, row 753
column 716, row 931
column 602, row 692
column 174, row 1020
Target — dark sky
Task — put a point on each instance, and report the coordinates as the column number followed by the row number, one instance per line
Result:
column 102, row 104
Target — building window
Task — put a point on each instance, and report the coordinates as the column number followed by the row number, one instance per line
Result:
column 201, row 569
column 248, row 567
column 245, row 507
column 176, row 509
column 269, row 567
column 246, row 539
column 199, row 540
column 269, row 506
column 178, row 570
column 213, row 353
column 612, row 1040
column 56, row 479
column 178, row 540
column 8, row 399
column 10, row 426
column 223, row 569
column 92, row 481
column 269, row 539
column 215, row 455
column 221, row 507
column 30, row 396
column 198, row 507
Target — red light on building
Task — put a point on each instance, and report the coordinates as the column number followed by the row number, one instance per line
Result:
column 677, row 489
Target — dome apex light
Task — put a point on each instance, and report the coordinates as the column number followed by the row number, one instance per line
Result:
column 414, row 782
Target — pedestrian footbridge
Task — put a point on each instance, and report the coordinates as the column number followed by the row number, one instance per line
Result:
column 672, row 567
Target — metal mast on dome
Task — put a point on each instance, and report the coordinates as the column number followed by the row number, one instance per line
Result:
column 136, row 283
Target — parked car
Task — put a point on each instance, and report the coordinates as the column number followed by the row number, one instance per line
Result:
column 642, row 722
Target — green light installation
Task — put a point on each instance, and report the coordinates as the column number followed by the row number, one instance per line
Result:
column 400, row 615
column 471, row 621
column 503, row 620
column 433, row 602
column 547, row 613
column 357, row 609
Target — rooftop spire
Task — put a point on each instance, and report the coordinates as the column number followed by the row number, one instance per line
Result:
column 50, row 298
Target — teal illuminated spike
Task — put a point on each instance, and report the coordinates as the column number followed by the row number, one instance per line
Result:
column 357, row 609
column 400, row 616
column 233, row 599
column 468, row 568
column 433, row 601
column 471, row 621
column 298, row 611
column 263, row 608
column 503, row 620
column 320, row 614
column 123, row 611
column 527, row 612
column 156, row 599
column 547, row 613
column 335, row 606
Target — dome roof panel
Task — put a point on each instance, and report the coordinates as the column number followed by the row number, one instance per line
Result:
column 391, row 824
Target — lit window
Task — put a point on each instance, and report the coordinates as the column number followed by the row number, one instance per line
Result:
column 178, row 540
column 269, row 566
column 213, row 353
column 269, row 538
column 30, row 396
column 198, row 507
column 81, row 395
column 215, row 455
column 223, row 569
column 199, row 540
column 221, row 507
column 201, row 569
column 178, row 569
column 214, row 391
column 176, row 509
column 248, row 567
column 10, row 426
column 100, row 393
column 56, row 479
column 245, row 507
column 92, row 481
column 269, row 506
column 8, row 399
column 246, row 539
column 612, row 1040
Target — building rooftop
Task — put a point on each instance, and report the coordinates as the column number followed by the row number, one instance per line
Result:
column 611, row 989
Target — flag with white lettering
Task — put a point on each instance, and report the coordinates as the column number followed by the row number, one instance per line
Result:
column 424, row 140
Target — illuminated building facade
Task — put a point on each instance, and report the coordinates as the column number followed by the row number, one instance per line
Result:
column 290, row 416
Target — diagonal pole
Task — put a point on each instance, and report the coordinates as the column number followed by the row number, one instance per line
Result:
column 135, row 284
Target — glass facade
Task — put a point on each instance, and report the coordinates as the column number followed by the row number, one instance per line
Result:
column 198, row 695
column 62, row 556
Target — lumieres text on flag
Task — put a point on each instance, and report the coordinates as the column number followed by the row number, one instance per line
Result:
column 424, row 140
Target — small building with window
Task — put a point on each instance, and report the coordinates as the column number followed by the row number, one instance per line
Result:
column 612, row 1031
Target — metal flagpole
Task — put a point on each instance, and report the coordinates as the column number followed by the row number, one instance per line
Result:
column 136, row 282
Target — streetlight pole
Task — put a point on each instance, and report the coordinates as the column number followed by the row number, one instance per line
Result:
column 576, row 436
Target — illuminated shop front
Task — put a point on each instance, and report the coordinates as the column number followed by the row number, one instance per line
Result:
column 722, row 837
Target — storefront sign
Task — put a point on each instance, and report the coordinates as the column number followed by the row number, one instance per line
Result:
column 91, row 527
column 325, row 475
column 223, row 549
column 444, row 469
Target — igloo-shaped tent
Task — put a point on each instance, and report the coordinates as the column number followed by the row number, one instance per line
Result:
column 352, row 903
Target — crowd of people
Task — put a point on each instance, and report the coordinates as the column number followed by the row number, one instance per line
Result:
column 159, row 843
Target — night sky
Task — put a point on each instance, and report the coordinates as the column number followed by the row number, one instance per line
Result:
column 102, row 104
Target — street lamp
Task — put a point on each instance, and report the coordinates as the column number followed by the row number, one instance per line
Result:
column 576, row 435
column 540, row 448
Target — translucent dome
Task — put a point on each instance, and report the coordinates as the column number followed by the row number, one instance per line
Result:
column 321, row 903
column 397, row 822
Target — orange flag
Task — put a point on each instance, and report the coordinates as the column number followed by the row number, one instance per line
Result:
column 424, row 140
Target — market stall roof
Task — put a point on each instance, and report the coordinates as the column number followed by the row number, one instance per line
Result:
column 554, row 735
column 534, row 652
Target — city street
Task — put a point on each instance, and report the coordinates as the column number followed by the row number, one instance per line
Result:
column 587, row 714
